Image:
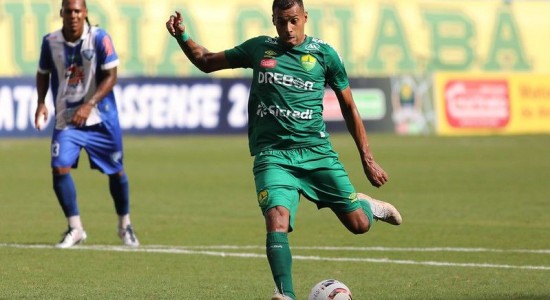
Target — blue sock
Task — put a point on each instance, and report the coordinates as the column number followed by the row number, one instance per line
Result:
column 118, row 185
column 65, row 190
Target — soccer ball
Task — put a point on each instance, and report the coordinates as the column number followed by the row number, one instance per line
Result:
column 330, row 289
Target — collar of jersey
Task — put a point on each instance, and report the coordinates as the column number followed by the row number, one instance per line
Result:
column 84, row 35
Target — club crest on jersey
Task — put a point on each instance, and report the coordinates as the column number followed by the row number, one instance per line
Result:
column 88, row 54
column 262, row 197
column 308, row 62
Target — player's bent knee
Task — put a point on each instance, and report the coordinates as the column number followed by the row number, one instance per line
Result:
column 117, row 175
column 61, row 170
column 354, row 223
column 277, row 219
column 359, row 229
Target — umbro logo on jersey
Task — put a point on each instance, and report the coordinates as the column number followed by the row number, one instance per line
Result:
column 270, row 53
column 268, row 63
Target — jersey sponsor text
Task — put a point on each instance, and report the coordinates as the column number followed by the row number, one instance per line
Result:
column 286, row 80
column 276, row 111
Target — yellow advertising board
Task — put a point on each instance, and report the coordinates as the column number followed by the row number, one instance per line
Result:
column 375, row 37
column 481, row 104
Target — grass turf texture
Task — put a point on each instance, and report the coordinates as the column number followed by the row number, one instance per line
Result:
column 481, row 198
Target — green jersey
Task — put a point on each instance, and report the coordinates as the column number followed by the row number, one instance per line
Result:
column 285, row 107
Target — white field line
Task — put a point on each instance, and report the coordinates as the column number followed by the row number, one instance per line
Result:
column 381, row 249
column 203, row 250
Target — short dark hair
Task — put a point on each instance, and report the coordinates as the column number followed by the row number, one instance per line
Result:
column 286, row 4
column 63, row 3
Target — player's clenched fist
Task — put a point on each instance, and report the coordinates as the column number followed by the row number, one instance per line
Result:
column 174, row 25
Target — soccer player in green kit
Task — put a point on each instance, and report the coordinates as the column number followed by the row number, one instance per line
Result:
column 292, row 152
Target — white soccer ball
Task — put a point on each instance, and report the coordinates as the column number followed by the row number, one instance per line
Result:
column 330, row 289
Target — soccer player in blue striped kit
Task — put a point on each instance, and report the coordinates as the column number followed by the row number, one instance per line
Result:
column 80, row 63
column 293, row 155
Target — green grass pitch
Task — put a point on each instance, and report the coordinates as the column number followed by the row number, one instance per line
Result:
column 476, row 225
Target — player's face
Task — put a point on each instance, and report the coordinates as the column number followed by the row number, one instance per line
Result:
column 74, row 14
column 290, row 24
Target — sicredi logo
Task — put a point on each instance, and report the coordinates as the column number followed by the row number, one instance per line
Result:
column 274, row 110
column 477, row 103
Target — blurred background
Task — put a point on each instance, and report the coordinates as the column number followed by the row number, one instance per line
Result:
column 416, row 66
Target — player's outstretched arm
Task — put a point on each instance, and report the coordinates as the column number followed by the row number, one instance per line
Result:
column 203, row 59
column 375, row 174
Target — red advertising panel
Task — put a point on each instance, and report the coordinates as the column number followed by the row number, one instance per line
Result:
column 478, row 103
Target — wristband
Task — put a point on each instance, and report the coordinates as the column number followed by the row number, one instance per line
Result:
column 185, row 36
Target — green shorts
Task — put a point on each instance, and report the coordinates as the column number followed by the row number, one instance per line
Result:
column 281, row 176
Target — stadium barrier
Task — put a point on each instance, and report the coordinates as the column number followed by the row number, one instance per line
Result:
column 154, row 105
column 448, row 104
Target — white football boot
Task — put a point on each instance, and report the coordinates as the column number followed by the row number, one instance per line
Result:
column 279, row 296
column 71, row 237
column 128, row 236
column 382, row 211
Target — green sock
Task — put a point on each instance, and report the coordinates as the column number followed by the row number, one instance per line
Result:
column 280, row 261
column 368, row 211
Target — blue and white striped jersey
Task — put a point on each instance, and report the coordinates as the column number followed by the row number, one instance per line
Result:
column 75, row 69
